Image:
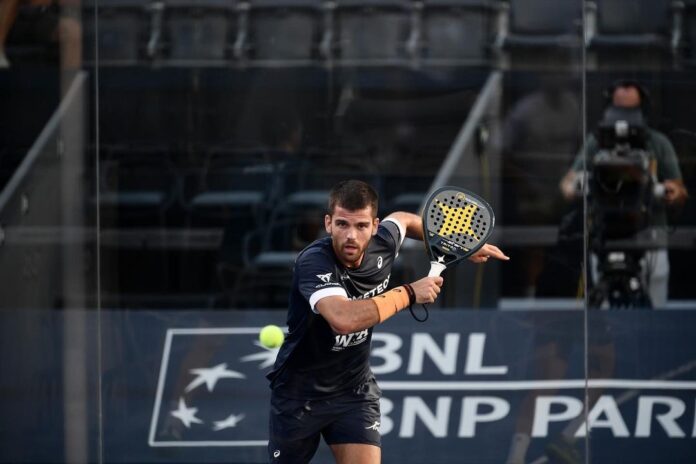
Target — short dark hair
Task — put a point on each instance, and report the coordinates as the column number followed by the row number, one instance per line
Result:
column 643, row 92
column 353, row 195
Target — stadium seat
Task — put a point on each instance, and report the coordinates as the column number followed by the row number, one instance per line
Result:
column 627, row 28
column 137, row 188
column 262, row 282
column 527, row 27
column 229, row 193
column 198, row 31
column 283, row 31
column 123, row 29
column 456, row 32
column 372, row 31
column 232, row 187
column 296, row 220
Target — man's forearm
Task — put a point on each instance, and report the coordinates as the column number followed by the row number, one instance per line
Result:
column 413, row 224
column 347, row 316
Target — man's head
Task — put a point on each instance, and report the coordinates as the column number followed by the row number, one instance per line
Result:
column 626, row 96
column 626, row 101
column 627, row 93
column 351, row 220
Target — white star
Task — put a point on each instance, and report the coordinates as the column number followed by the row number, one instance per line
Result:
column 210, row 376
column 441, row 259
column 186, row 415
column 231, row 421
column 268, row 355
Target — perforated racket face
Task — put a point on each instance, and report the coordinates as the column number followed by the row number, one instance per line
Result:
column 456, row 223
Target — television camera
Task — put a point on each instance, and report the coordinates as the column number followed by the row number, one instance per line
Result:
column 623, row 190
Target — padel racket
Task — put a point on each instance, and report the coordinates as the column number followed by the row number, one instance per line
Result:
column 456, row 223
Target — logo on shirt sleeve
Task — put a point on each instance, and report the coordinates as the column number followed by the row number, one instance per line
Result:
column 326, row 278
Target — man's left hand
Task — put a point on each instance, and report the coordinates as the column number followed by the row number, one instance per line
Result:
column 488, row 251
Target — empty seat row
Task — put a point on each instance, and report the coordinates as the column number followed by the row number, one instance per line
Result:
column 609, row 30
column 265, row 206
column 362, row 32
column 142, row 188
column 281, row 32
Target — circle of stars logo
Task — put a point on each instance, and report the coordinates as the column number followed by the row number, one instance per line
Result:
column 209, row 377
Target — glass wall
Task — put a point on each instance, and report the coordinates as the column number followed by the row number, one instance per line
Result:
column 162, row 164
column 48, row 238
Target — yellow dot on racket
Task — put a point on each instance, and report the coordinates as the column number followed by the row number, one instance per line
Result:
column 450, row 212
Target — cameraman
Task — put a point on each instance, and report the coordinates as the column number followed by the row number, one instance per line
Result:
column 630, row 96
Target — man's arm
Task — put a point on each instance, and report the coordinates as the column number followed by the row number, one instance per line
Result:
column 668, row 170
column 571, row 183
column 411, row 222
column 347, row 316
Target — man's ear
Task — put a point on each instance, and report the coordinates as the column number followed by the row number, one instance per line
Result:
column 327, row 223
column 375, row 223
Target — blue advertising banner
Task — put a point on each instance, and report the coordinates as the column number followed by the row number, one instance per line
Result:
column 189, row 386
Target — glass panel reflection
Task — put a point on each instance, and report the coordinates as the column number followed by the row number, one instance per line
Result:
column 48, row 265
column 636, row 163
column 221, row 131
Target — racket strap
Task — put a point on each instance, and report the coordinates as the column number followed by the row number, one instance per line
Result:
column 425, row 318
column 412, row 299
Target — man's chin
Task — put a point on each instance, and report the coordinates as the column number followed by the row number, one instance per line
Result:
column 351, row 255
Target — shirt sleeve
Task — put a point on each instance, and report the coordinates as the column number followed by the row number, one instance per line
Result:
column 667, row 162
column 395, row 231
column 317, row 278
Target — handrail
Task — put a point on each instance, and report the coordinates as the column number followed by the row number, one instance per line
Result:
column 36, row 149
column 468, row 131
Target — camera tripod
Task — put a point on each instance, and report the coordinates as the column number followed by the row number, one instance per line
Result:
column 619, row 281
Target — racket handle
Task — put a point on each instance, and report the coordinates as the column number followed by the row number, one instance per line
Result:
column 436, row 269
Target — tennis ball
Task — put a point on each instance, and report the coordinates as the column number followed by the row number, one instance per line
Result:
column 271, row 336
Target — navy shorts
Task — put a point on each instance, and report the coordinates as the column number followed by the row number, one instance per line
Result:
column 296, row 425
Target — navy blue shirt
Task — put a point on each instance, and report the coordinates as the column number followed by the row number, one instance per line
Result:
column 314, row 362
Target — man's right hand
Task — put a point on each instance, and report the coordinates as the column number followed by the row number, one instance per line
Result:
column 675, row 192
column 570, row 185
column 427, row 289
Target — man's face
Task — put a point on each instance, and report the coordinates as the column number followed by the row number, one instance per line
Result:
column 626, row 97
column 350, row 232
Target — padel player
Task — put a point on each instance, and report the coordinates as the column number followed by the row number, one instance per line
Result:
column 322, row 383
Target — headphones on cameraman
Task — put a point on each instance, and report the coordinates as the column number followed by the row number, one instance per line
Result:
column 645, row 102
